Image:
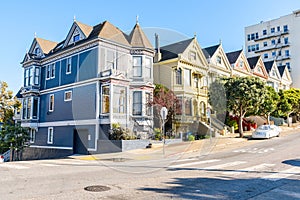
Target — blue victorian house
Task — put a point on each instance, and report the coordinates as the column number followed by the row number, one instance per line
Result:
column 76, row 89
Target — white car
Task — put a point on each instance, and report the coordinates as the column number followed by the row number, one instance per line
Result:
column 1, row 158
column 266, row 131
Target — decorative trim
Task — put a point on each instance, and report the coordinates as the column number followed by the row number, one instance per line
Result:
column 64, row 123
column 50, row 147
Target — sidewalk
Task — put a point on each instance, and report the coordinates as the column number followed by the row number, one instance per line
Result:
column 205, row 146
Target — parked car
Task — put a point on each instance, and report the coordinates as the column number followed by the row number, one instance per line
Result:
column 266, row 131
column 1, row 158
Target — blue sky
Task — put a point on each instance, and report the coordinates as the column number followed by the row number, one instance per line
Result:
column 212, row 21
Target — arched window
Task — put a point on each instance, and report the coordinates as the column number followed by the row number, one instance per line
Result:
column 178, row 76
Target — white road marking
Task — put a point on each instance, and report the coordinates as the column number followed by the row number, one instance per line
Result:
column 261, row 167
column 221, row 166
column 193, row 163
column 254, row 150
column 12, row 166
column 283, row 174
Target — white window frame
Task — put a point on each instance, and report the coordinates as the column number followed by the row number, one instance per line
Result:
column 36, row 76
column 52, row 71
column 48, row 72
column 51, row 109
column 65, row 97
column 137, row 69
column 32, row 135
column 50, row 135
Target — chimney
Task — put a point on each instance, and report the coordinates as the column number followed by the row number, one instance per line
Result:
column 157, row 56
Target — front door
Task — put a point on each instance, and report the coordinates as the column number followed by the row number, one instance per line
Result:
column 80, row 141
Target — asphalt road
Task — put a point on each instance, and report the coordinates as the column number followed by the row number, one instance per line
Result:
column 258, row 169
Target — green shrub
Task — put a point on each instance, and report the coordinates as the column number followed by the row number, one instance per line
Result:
column 191, row 138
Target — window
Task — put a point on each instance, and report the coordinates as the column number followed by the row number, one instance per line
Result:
column 187, row 77
column 31, row 76
column 137, row 66
column 105, row 99
column 241, row 64
column 219, row 60
column 137, row 103
column 256, row 35
column 252, row 47
column 279, row 41
column 266, row 55
column 249, row 48
column 179, row 106
column 37, row 76
column 287, row 53
column 119, row 100
column 32, row 135
column 148, row 107
column 69, row 66
column 30, row 108
column 265, row 44
column 68, row 96
column 285, row 28
column 76, row 38
column 264, row 32
column 273, row 42
column 273, row 53
column 272, row 30
column 26, row 80
column 279, row 53
column 192, row 55
column 29, row 104
column 252, row 36
column 110, row 59
column 248, row 36
column 48, row 71
column 37, row 51
column 52, row 70
column 188, row 106
column 148, row 68
column 286, row 40
column 178, row 76
column 278, row 28
column 196, row 81
column 257, row 47
column 288, row 65
column 51, row 103
column 50, row 135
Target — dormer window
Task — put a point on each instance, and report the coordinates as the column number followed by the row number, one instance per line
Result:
column 76, row 38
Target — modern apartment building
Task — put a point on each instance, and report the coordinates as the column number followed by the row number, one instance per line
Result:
column 76, row 89
column 277, row 40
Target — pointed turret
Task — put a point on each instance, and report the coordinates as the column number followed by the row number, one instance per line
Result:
column 137, row 38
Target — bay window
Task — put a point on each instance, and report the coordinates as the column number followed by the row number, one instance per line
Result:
column 30, row 108
column 119, row 98
column 137, row 103
column 137, row 66
column 105, row 99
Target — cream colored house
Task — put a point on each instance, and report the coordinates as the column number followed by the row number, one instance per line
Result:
column 218, row 64
column 258, row 68
column 286, row 79
column 274, row 77
column 239, row 64
column 182, row 67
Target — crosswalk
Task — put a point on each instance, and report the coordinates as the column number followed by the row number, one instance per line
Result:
column 237, row 169
column 47, row 163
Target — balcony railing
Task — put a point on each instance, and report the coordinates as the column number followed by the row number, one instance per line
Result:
column 278, row 33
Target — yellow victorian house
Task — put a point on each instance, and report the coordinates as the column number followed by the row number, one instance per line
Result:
column 182, row 67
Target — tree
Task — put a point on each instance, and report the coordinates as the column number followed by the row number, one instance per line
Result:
column 7, row 104
column 288, row 103
column 14, row 138
column 270, row 103
column 244, row 94
column 217, row 96
column 163, row 97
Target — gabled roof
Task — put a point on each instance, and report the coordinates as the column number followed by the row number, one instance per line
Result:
column 46, row 45
column 210, row 51
column 269, row 65
column 253, row 61
column 86, row 29
column 137, row 38
column 233, row 56
column 108, row 31
column 172, row 50
column 281, row 69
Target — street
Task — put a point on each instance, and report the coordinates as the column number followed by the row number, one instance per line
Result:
column 253, row 169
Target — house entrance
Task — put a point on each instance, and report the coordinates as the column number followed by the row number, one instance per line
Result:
column 80, row 141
